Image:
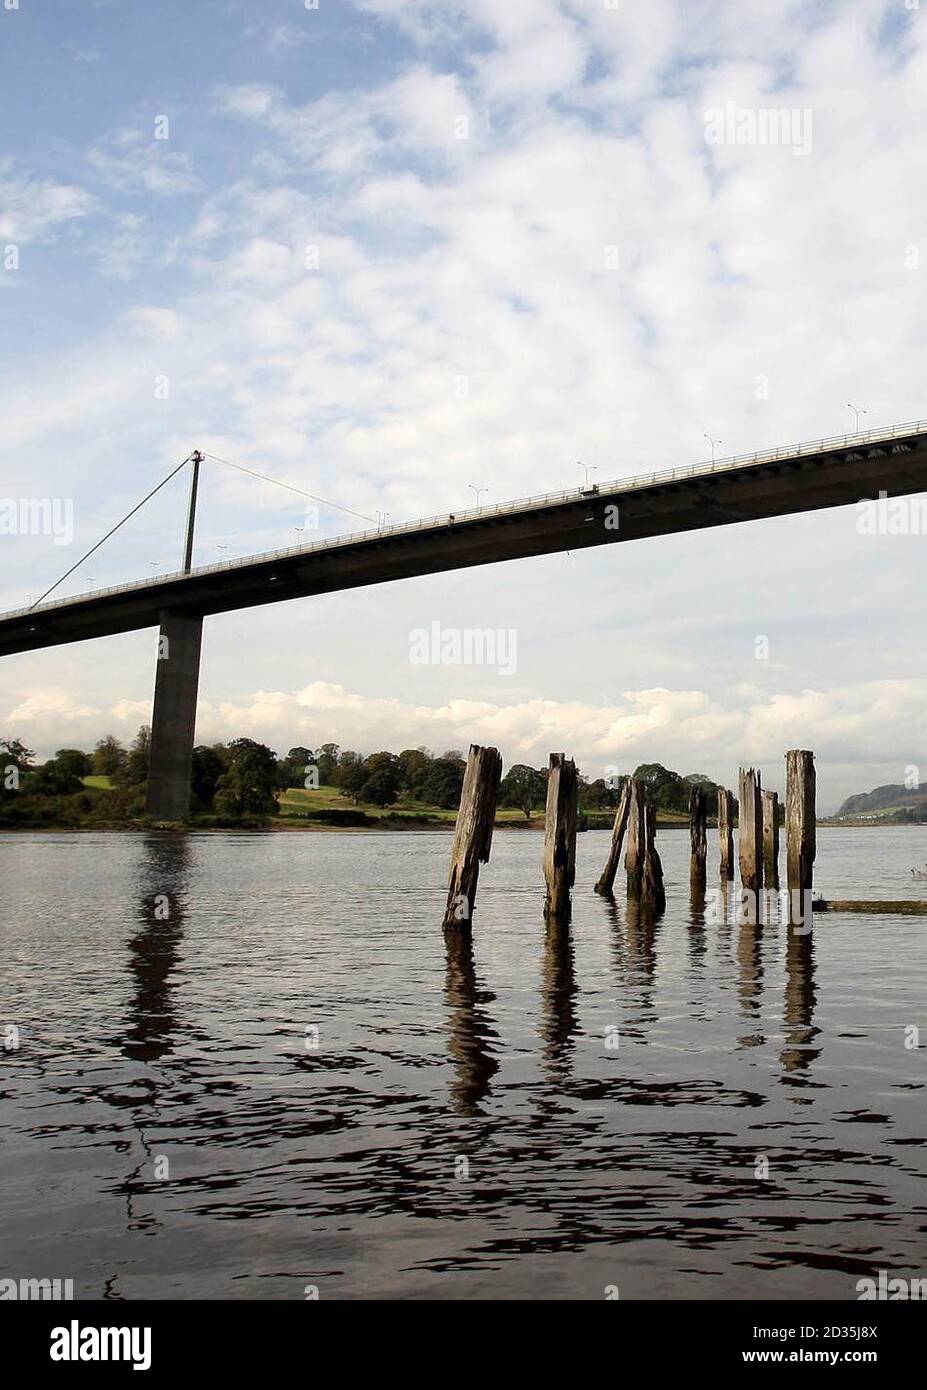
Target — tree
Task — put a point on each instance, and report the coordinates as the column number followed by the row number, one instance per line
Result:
column 351, row 774
column 291, row 770
column 327, row 758
column 668, row 790
column 381, row 787
column 597, row 795
column 16, row 760
column 133, row 771
column 75, row 760
column 108, row 757
column 247, row 786
column 53, row 779
column 443, row 781
column 523, row 787
column 382, row 779
column 413, row 764
column 209, row 763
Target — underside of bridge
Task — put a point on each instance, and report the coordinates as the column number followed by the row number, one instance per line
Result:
column 810, row 478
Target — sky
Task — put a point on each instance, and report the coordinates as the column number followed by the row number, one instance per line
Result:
column 382, row 250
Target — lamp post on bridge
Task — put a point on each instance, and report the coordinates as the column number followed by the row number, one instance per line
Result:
column 857, row 412
column 713, row 443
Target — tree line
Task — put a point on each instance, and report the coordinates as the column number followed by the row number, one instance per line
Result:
column 245, row 777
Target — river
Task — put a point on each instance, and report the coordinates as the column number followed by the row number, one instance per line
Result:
column 249, row 1066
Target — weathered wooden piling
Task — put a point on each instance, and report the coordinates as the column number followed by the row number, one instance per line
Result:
column 800, row 784
column 771, row 839
column 726, row 832
column 750, row 836
column 560, row 836
column 606, row 880
column 698, row 840
column 653, row 894
column 637, row 840
column 473, row 835
column 905, row 907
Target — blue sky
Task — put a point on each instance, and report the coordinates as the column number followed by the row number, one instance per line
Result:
column 528, row 254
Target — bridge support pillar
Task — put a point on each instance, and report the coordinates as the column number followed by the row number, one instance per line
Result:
column 173, row 719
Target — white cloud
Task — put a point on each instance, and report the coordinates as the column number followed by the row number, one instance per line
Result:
column 463, row 325
column 157, row 321
column 138, row 163
column 31, row 208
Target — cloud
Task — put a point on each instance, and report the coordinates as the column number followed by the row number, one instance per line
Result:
column 689, row 730
column 345, row 134
column 157, row 321
column 32, row 208
column 42, row 709
column 138, row 163
column 528, row 255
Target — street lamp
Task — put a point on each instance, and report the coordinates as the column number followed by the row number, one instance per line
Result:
column 299, row 534
column 857, row 412
column 587, row 469
column 221, row 549
column 478, row 490
column 713, row 443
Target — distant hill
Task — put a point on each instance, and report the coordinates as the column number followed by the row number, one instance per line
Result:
column 892, row 797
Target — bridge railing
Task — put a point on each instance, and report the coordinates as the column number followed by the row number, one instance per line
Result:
column 730, row 463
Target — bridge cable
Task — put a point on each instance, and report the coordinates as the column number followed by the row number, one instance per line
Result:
column 110, row 533
column 289, row 487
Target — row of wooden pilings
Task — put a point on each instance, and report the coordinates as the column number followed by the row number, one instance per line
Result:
column 635, row 828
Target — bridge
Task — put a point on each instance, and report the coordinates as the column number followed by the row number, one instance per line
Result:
column 807, row 477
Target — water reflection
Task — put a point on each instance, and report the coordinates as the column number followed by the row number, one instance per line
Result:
column 471, row 1036
column 641, row 925
column 558, row 998
column 154, row 950
column 333, row 1166
column 750, row 976
column 800, row 1000
column 696, row 933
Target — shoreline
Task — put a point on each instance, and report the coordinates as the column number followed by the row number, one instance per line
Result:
column 383, row 825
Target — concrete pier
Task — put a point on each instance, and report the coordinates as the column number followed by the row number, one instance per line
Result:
column 173, row 719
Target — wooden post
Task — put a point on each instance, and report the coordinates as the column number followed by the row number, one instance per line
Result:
column 771, row 839
column 652, row 891
column 750, row 838
column 607, row 880
column 637, row 840
column 799, row 819
column 473, row 835
column 560, row 836
column 726, row 831
column 698, row 840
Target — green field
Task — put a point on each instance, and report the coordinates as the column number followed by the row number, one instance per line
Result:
column 298, row 804
column 297, row 800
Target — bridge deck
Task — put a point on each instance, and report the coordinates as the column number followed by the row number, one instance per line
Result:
column 806, row 477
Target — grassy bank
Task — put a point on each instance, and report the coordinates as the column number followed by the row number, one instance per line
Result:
column 101, row 806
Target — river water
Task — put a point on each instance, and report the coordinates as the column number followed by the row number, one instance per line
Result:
column 249, row 1065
